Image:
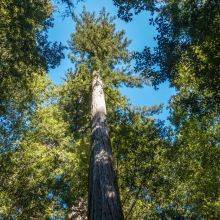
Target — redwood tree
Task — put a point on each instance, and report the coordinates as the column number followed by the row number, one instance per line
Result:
column 99, row 49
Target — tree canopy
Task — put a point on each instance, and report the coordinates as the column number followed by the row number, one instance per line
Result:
column 164, row 172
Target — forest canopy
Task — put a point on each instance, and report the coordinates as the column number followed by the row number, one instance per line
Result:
column 81, row 149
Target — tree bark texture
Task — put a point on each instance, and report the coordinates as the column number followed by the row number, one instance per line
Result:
column 104, row 200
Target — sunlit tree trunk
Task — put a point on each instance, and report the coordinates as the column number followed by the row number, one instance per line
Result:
column 104, row 200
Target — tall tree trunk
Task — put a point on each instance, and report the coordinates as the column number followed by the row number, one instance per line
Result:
column 104, row 200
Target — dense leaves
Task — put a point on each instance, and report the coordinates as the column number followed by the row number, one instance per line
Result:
column 187, row 55
column 26, row 54
column 98, row 45
column 23, row 44
column 45, row 129
column 126, row 9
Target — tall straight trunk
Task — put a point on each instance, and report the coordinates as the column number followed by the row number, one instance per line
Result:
column 104, row 200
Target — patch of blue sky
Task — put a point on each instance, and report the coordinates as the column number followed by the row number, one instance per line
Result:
column 138, row 31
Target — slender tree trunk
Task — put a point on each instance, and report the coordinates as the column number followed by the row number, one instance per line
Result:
column 104, row 200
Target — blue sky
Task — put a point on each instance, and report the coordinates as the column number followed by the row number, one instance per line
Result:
column 141, row 34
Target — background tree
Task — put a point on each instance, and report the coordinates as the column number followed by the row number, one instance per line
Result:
column 186, row 56
column 26, row 55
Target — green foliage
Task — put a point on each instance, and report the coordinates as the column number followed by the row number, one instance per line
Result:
column 75, row 99
column 187, row 55
column 45, row 129
column 17, row 104
column 197, row 168
column 141, row 154
column 25, row 56
column 28, row 141
column 126, row 9
column 23, row 44
column 97, row 44
column 137, row 141
column 43, row 169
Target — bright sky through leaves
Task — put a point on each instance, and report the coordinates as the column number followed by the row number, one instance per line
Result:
column 141, row 34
